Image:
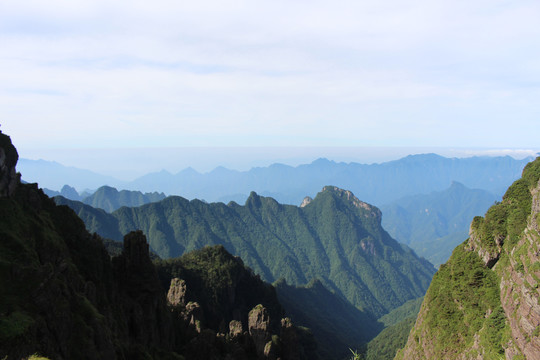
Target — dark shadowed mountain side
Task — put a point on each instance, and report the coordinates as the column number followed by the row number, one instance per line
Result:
column 110, row 199
column 64, row 297
column 335, row 238
column 484, row 302
column 434, row 224
column 96, row 220
column 336, row 324
column 375, row 183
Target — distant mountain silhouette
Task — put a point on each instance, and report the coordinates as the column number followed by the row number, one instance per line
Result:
column 110, row 199
column 434, row 224
column 376, row 184
column 53, row 176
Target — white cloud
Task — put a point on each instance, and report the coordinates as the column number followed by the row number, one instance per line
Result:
column 379, row 72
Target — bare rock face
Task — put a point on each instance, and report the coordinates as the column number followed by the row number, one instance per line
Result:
column 176, row 295
column 520, row 287
column 9, row 178
column 235, row 328
column 259, row 325
column 306, row 201
column 271, row 351
column 142, row 295
column 194, row 314
column 370, row 210
column 489, row 256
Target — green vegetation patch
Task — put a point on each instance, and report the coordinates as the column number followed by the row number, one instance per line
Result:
column 390, row 340
column 508, row 219
column 405, row 311
column 13, row 325
column 464, row 301
column 335, row 238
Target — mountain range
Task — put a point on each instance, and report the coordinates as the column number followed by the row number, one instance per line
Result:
column 434, row 224
column 69, row 294
column 377, row 184
column 335, row 238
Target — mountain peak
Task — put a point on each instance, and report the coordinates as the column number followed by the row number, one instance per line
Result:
column 322, row 162
column 306, row 201
column 347, row 195
column 456, row 185
column 254, row 200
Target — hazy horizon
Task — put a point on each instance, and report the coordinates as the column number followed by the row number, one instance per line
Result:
column 128, row 164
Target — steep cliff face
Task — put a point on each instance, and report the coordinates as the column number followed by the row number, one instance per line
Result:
column 9, row 179
column 484, row 302
column 520, row 282
column 63, row 297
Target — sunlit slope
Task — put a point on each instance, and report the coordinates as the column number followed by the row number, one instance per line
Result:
column 336, row 238
column 484, row 302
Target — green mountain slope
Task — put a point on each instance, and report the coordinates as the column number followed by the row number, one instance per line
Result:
column 484, row 302
column 335, row 238
column 397, row 325
column 405, row 311
column 434, row 224
column 390, row 340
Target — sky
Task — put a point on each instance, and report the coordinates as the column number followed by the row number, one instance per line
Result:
column 81, row 78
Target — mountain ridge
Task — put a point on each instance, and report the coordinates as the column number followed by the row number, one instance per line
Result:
column 370, row 182
column 334, row 236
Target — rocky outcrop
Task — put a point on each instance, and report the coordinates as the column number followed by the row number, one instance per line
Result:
column 520, row 287
column 259, row 328
column 260, row 341
column 347, row 194
column 235, row 328
column 193, row 314
column 488, row 254
column 176, row 296
column 9, row 178
column 306, row 201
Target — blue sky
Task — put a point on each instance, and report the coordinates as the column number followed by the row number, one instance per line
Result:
column 389, row 73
